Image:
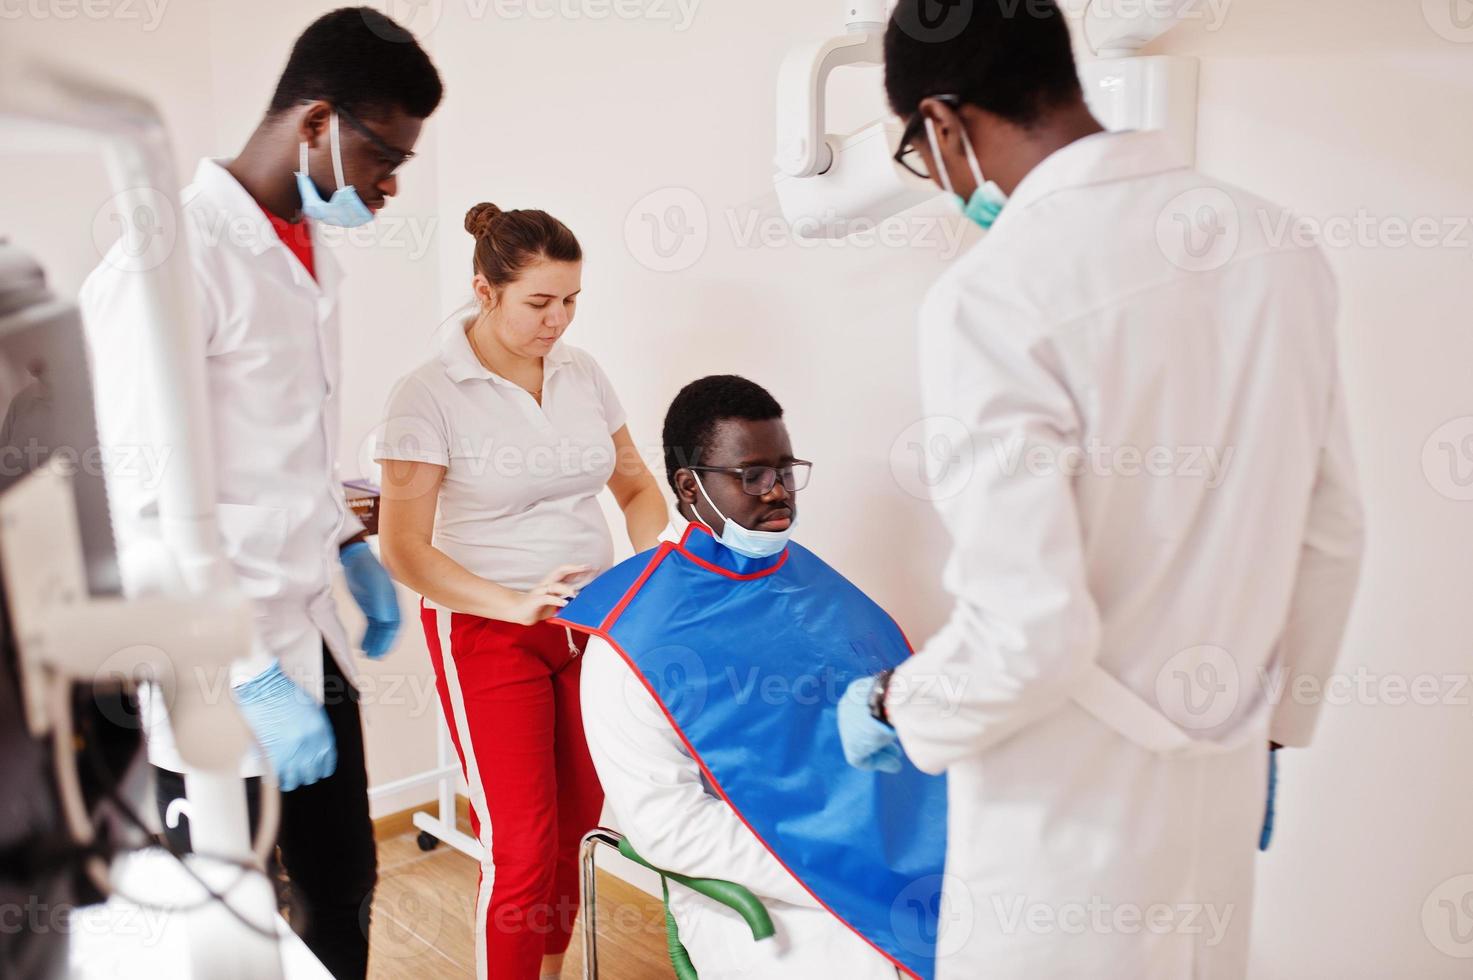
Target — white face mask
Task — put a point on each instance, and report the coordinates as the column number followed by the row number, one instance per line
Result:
column 752, row 544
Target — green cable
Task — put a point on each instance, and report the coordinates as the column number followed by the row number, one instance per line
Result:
column 679, row 957
column 728, row 893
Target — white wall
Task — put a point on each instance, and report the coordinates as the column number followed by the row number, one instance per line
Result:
column 1335, row 108
column 1343, row 110
column 50, row 204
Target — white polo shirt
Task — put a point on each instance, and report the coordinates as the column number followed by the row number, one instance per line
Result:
column 520, row 492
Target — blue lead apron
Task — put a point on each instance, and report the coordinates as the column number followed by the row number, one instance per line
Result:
column 748, row 659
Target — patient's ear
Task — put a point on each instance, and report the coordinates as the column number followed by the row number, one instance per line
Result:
column 685, row 486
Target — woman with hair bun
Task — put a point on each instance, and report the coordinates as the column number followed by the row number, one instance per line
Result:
column 493, row 455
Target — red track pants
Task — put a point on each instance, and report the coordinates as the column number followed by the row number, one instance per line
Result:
column 510, row 695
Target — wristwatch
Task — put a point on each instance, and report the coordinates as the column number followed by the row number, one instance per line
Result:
column 877, row 696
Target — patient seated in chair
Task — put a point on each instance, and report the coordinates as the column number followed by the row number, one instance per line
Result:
column 710, row 685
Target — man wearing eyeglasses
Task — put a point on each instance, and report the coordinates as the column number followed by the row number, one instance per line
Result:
column 1124, row 612
column 713, row 669
column 346, row 114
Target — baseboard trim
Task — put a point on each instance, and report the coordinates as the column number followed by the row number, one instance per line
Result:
column 401, row 822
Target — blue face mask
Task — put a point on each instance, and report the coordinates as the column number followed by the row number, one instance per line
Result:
column 986, row 201
column 346, row 209
column 752, row 544
column 985, row 204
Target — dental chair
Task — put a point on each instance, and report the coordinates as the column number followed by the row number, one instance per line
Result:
column 728, row 893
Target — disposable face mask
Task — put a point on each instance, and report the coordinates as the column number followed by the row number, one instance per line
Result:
column 346, row 209
column 986, row 201
column 752, row 544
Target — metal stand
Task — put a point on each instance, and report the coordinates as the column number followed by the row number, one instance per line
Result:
column 589, row 889
column 435, row 828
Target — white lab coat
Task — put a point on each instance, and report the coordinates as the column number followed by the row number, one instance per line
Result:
column 1079, row 324
column 661, row 802
column 272, row 366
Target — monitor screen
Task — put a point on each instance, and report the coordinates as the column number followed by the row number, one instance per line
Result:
column 46, row 409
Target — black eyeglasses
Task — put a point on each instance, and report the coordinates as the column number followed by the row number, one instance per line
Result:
column 394, row 157
column 758, row 480
column 907, row 155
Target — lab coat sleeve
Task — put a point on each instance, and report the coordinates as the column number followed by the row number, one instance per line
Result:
column 1324, row 588
column 654, row 787
column 1023, row 627
column 352, row 527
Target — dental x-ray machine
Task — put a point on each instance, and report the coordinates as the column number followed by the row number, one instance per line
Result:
column 830, row 186
column 65, row 623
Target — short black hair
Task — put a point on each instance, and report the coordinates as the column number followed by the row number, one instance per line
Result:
column 361, row 61
column 690, row 422
column 1009, row 57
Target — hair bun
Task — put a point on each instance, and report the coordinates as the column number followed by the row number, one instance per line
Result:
column 478, row 219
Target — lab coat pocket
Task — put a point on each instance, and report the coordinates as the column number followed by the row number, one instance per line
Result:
column 253, row 537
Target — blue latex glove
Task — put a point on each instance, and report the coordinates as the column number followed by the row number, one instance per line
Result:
column 868, row 742
column 291, row 726
column 373, row 590
column 1268, row 813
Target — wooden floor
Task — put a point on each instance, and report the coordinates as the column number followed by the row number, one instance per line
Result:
column 425, row 904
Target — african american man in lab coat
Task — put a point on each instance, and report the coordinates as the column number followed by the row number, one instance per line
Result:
column 345, row 115
column 1153, row 510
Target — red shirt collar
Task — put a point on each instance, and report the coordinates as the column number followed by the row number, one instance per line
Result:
column 296, row 237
